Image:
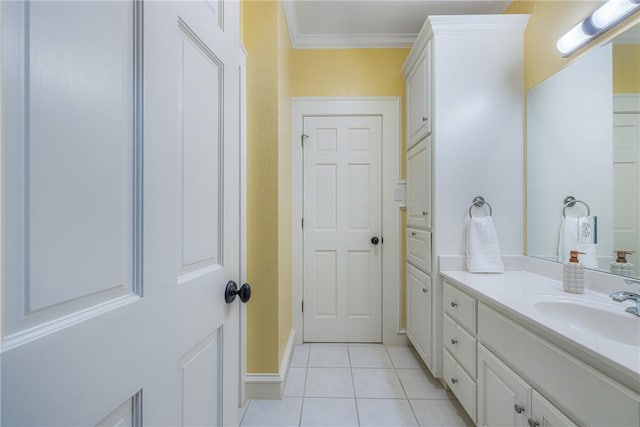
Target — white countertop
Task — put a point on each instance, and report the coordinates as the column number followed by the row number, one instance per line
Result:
column 515, row 294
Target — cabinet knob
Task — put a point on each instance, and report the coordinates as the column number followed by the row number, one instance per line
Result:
column 425, row 213
column 454, row 341
column 454, row 380
column 533, row 423
column 518, row 408
column 454, row 304
column 425, row 290
column 424, row 119
column 413, row 233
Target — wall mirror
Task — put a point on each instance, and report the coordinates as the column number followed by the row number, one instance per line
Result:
column 583, row 141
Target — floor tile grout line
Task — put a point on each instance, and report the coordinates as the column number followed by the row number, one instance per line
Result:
column 304, row 387
column 353, row 385
column 245, row 412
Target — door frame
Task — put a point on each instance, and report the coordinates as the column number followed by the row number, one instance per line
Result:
column 242, row 398
column 388, row 108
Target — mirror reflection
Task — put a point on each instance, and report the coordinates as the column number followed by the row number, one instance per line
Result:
column 583, row 160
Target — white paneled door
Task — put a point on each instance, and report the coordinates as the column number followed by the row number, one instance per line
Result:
column 342, row 229
column 120, row 209
column 626, row 185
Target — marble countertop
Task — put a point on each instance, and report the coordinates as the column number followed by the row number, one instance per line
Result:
column 606, row 336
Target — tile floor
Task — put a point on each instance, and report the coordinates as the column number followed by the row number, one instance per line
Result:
column 357, row 385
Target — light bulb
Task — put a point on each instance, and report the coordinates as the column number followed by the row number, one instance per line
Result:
column 572, row 40
column 611, row 12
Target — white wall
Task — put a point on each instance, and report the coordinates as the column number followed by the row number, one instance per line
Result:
column 478, row 132
column 570, row 151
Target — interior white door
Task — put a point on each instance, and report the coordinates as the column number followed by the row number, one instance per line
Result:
column 342, row 229
column 626, row 185
column 120, row 231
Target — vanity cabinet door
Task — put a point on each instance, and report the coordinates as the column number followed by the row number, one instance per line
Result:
column 419, row 311
column 419, row 98
column 503, row 397
column 419, row 185
column 544, row 414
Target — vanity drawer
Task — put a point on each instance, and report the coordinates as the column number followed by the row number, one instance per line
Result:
column 419, row 249
column 460, row 344
column 462, row 385
column 460, row 306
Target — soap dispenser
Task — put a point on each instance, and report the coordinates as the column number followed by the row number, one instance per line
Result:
column 573, row 274
column 621, row 266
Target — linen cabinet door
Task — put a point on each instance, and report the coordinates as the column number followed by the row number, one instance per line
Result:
column 419, row 185
column 419, row 311
column 419, row 98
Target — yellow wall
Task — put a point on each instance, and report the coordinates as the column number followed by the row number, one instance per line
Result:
column 275, row 73
column 349, row 72
column 268, row 207
column 353, row 72
column 548, row 22
column 285, row 279
column 626, row 68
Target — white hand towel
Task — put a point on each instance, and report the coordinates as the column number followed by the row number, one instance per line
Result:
column 572, row 239
column 483, row 251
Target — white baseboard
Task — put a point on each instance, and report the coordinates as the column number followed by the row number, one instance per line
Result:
column 271, row 386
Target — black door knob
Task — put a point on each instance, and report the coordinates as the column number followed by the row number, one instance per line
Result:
column 231, row 290
column 375, row 240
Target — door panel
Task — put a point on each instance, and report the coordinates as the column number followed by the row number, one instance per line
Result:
column 546, row 414
column 626, row 185
column 419, row 311
column 201, row 147
column 419, row 185
column 70, row 239
column 499, row 390
column 97, row 312
column 342, row 212
column 200, row 389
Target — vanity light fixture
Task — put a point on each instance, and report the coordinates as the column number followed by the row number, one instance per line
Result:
column 601, row 20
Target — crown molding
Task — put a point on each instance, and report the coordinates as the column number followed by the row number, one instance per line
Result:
column 292, row 20
column 445, row 23
column 348, row 41
column 469, row 24
column 340, row 41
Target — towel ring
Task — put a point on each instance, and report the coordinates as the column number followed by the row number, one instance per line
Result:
column 480, row 202
column 570, row 202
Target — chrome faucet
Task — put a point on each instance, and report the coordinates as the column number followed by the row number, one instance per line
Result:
column 621, row 296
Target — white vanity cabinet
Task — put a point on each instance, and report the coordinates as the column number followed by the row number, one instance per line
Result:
column 418, row 81
column 464, row 98
column 504, row 373
column 586, row 395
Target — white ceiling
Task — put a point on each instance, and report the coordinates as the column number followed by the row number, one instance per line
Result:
column 371, row 23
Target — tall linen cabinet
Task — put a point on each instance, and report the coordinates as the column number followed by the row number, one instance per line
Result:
column 464, row 117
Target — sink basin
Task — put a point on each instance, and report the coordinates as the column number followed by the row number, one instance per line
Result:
column 605, row 321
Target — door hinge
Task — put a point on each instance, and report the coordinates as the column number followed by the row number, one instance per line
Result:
column 302, row 137
column 302, row 306
column 302, row 222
